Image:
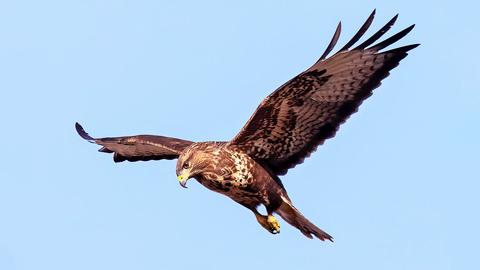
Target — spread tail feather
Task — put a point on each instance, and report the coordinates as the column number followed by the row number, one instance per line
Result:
column 291, row 215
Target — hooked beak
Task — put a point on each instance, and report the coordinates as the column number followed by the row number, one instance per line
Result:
column 182, row 179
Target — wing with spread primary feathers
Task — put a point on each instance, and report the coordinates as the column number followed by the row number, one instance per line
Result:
column 138, row 148
column 300, row 115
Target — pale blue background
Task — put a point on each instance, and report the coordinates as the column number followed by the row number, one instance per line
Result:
column 398, row 187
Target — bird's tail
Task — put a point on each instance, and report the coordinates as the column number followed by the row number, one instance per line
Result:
column 291, row 215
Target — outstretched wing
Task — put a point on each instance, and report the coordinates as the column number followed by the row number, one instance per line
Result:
column 300, row 115
column 137, row 148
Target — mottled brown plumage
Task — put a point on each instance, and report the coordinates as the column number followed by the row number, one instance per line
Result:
column 284, row 130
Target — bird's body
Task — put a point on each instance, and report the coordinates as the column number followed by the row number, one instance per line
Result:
column 228, row 170
column 231, row 172
column 286, row 128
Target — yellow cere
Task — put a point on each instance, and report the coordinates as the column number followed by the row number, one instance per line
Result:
column 180, row 178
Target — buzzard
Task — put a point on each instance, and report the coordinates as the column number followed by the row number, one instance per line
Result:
column 285, row 129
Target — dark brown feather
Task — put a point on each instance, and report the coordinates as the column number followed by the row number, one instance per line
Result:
column 378, row 34
column 139, row 147
column 332, row 43
column 300, row 115
column 360, row 32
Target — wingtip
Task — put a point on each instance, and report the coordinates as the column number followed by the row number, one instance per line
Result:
column 338, row 29
column 359, row 33
column 410, row 47
column 393, row 20
column 389, row 41
column 332, row 43
column 413, row 46
column 83, row 133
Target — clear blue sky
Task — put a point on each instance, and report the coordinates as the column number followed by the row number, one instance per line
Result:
column 398, row 187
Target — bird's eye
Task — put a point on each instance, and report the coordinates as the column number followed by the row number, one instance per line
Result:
column 186, row 165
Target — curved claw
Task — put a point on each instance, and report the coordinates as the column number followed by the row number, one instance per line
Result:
column 273, row 224
column 269, row 222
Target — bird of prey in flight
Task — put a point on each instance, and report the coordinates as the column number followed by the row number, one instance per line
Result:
column 286, row 128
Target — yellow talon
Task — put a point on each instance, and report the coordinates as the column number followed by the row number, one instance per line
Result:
column 269, row 222
column 273, row 224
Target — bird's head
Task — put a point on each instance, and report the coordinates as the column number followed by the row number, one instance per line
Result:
column 185, row 171
column 191, row 163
